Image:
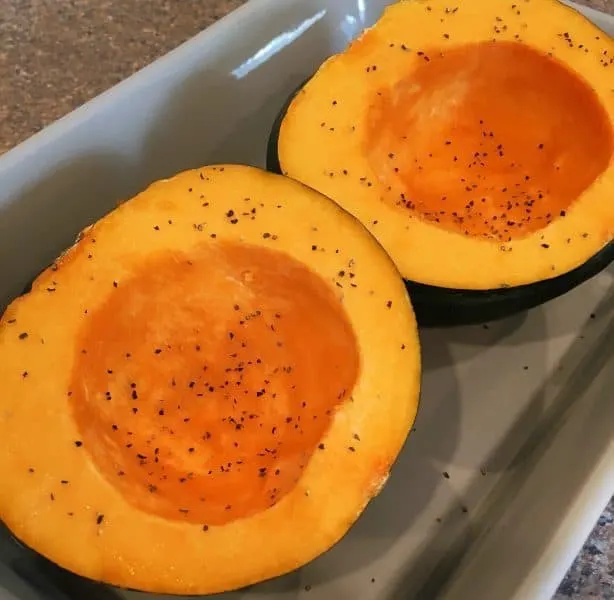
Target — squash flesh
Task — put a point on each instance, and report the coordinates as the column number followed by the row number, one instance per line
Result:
column 338, row 137
column 493, row 144
column 58, row 500
column 204, row 404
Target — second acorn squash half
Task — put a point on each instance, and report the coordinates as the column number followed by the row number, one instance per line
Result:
column 208, row 388
column 474, row 139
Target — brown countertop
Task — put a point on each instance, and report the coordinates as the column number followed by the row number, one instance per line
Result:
column 55, row 55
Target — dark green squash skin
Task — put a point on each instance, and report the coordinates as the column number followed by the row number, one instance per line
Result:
column 443, row 307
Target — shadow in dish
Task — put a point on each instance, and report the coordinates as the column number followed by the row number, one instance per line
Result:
column 530, row 436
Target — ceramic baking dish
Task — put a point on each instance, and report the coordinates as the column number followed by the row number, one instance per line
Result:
column 517, row 414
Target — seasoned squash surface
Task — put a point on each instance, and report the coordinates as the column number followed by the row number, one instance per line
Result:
column 208, row 388
column 474, row 140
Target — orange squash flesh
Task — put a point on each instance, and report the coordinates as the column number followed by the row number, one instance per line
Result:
column 493, row 144
column 210, row 413
column 195, row 376
column 475, row 141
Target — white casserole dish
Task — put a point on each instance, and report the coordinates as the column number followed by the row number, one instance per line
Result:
column 519, row 414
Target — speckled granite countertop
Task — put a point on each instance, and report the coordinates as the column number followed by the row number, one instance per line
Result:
column 56, row 54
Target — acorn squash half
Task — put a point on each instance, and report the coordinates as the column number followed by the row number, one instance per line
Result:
column 208, row 388
column 474, row 140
